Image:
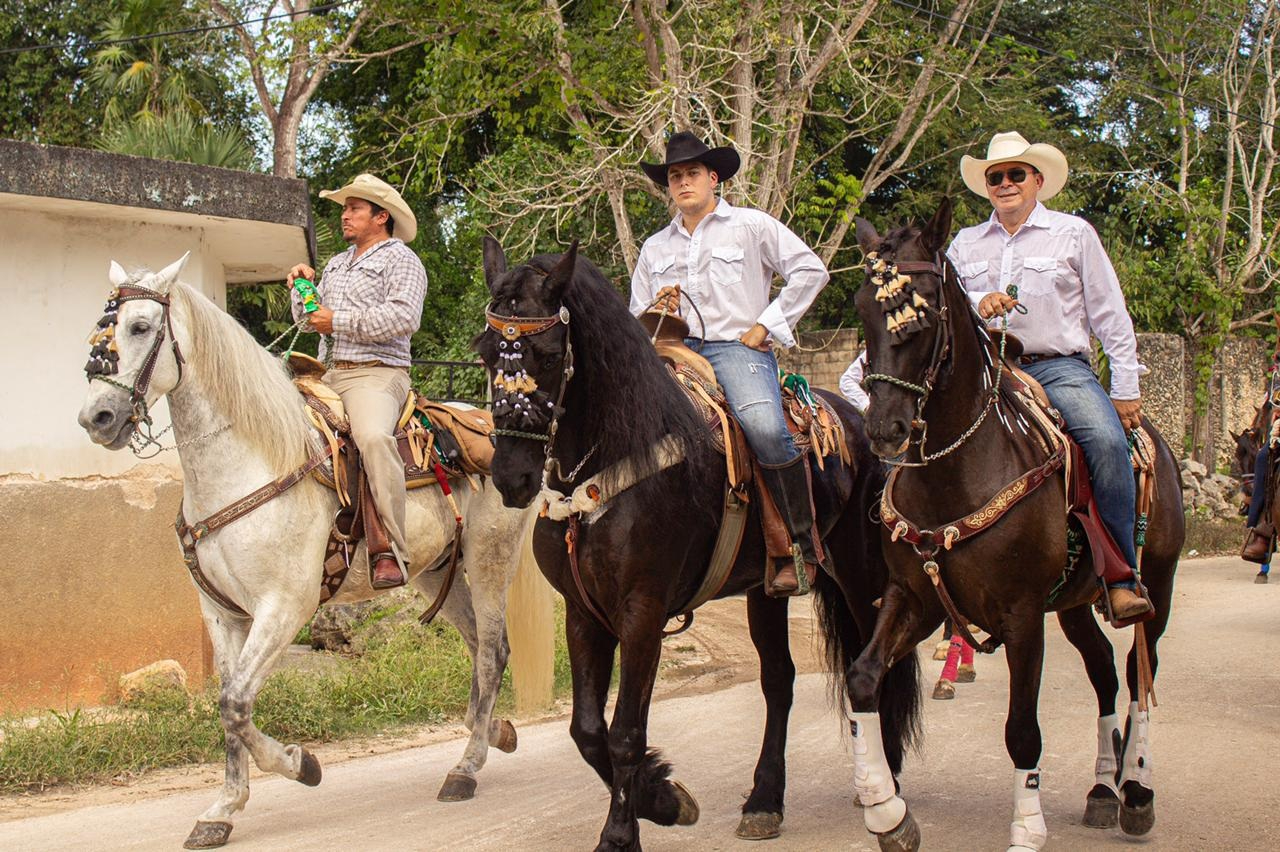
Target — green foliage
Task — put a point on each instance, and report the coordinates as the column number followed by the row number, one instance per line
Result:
column 178, row 136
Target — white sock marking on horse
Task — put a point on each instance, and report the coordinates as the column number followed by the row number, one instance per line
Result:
column 1109, row 744
column 1137, row 751
column 883, row 809
column 1028, row 830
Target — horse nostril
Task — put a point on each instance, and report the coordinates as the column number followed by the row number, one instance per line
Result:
column 103, row 418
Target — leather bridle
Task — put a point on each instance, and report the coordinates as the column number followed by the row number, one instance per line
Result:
column 102, row 368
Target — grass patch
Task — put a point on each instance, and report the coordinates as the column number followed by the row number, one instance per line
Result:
column 408, row 675
column 1213, row 536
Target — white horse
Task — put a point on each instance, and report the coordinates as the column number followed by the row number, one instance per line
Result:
column 239, row 424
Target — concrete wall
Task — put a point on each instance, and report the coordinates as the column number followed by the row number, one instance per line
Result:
column 821, row 356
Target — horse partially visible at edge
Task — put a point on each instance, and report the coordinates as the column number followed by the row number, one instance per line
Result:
column 602, row 402
column 239, row 424
column 998, row 543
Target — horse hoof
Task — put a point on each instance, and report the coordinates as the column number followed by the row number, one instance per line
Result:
column 1101, row 808
column 940, row 650
column 904, row 838
column 759, row 826
column 208, row 835
column 504, row 739
column 1137, row 810
column 310, row 772
column 944, row 691
column 1261, row 579
column 457, row 788
column 689, row 810
column 966, row 674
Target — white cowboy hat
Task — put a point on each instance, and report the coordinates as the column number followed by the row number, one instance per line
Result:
column 382, row 194
column 1013, row 148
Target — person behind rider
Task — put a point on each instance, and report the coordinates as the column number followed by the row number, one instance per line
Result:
column 1259, row 541
column 723, row 258
column 851, row 383
column 1069, row 289
column 371, row 299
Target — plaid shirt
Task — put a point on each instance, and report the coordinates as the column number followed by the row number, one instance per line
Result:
column 376, row 302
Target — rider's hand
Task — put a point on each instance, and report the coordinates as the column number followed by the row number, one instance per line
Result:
column 301, row 270
column 668, row 300
column 321, row 320
column 996, row 305
column 756, row 337
column 1130, row 411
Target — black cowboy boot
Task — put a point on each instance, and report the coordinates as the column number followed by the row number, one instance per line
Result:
column 789, row 487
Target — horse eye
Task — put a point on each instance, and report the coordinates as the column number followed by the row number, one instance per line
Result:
column 139, row 328
column 549, row 361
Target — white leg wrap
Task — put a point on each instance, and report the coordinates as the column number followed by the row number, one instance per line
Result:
column 1028, row 830
column 1137, row 751
column 1109, row 745
column 883, row 809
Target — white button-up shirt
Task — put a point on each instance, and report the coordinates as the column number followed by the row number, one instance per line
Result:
column 851, row 383
column 1065, row 280
column 726, row 267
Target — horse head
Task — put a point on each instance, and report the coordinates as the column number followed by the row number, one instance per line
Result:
column 905, row 323
column 129, row 367
column 528, row 351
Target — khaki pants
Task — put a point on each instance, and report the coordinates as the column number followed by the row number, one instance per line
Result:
column 374, row 398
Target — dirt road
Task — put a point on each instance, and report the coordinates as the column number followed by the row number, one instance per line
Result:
column 1215, row 737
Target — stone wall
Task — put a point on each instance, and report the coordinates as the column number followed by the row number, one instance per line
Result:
column 1164, row 389
column 821, row 356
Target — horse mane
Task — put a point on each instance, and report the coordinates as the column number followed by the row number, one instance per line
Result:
column 631, row 401
column 250, row 386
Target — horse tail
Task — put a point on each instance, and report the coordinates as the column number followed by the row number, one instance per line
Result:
column 900, row 696
column 531, row 628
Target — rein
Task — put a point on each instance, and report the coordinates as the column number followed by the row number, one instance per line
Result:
column 103, row 362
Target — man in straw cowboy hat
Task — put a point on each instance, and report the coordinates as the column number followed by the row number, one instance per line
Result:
column 371, row 304
column 1065, row 280
column 723, row 258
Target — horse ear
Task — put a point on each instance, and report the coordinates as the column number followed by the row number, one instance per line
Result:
column 562, row 273
column 868, row 239
column 117, row 275
column 165, row 277
column 935, row 234
column 495, row 262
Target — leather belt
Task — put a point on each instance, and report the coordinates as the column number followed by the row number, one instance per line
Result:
column 357, row 365
column 1026, row 358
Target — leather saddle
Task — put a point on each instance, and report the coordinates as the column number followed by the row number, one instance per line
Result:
column 436, row 442
column 1108, row 561
column 814, row 426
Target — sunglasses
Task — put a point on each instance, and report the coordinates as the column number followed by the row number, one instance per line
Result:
column 996, row 178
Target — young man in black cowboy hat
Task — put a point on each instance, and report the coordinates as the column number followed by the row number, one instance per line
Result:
column 723, row 258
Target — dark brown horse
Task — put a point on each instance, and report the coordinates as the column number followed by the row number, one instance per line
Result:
column 585, row 394
column 961, row 452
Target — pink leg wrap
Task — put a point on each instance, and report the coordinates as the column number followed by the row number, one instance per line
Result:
column 953, row 658
column 966, row 653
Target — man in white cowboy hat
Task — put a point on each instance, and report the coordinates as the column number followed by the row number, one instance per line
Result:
column 1055, row 266
column 723, row 258
column 370, row 305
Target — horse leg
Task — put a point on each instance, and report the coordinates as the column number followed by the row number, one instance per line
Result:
column 1102, row 805
column 213, row 827
column 487, row 641
column 762, row 812
column 885, row 813
column 1137, row 791
column 591, row 662
column 640, row 787
column 1024, row 644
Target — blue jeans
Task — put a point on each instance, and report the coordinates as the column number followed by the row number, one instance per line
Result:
column 750, row 382
column 1259, row 496
column 1093, row 423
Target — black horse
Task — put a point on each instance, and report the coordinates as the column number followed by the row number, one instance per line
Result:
column 589, row 395
column 962, row 452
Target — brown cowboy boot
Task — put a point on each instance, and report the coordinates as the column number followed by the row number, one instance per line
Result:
column 386, row 572
column 789, row 487
column 1257, row 547
column 1126, row 603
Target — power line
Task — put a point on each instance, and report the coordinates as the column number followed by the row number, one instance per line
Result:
column 1020, row 40
column 90, row 45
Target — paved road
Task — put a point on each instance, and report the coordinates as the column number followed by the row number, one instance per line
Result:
column 1215, row 738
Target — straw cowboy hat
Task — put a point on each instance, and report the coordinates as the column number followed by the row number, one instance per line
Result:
column 684, row 147
column 1013, row 148
column 382, row 194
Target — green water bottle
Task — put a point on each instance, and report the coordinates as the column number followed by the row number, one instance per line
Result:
column 307, row 292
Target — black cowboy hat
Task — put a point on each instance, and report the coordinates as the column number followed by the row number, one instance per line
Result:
column 684, row 147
